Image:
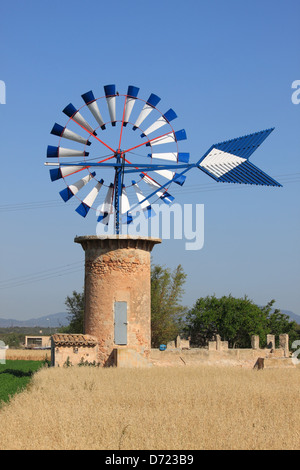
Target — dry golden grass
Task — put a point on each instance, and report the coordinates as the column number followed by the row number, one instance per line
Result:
column 155, row 409
column 28, row 354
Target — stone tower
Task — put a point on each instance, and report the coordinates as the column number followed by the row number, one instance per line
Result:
column 118, row 292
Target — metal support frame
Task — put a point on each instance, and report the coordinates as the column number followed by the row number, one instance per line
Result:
column 118, row 191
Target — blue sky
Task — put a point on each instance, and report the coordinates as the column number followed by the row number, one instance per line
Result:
column 225, row 67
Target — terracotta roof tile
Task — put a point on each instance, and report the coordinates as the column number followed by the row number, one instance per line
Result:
column 60, row 339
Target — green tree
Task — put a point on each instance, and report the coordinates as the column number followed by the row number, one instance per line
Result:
column 13, row 340
column 279, row 323
column 166, row 311
column 75, row 308
column 297, row 330
column 235, row 320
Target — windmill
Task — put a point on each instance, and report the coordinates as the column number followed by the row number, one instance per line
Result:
column 136, row 156
column 124, row 154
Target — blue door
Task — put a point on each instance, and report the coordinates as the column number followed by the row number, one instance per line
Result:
column 120, row 322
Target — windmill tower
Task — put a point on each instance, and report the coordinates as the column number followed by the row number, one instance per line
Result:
column 117, row 267
column 117, row 293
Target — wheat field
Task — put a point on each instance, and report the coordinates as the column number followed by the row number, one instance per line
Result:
column 184, row 408
column 28, row 354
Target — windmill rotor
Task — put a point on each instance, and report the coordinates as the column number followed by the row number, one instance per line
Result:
column 125, row 154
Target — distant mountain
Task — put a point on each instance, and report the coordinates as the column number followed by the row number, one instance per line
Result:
column 292, row 315
column 60, row 319
column 53, row 321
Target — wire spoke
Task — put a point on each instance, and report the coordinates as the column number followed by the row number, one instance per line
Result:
column 146, row 142
column 93, row 135
column 122, row 125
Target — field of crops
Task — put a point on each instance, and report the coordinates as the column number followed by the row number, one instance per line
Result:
column 28, row 354
column 14, row 376
column 178, row 408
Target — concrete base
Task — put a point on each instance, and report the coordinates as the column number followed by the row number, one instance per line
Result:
column 129, row 358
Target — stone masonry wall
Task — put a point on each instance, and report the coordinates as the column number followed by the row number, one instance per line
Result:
column 117, row 269
column 64, row 354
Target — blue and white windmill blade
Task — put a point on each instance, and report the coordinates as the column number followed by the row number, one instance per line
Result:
column 132, row 94
column 63, row 171
column 160, row 122
column 162, row 194
column 153, row 100
column 61, row 131
column 168, row 174
column 171, row 176
column 174, row 157
column 73, row 189
column 75, row 115
column 107, row 207
column 89, row 200
column 158, row 187
column 125, row 207
column 144, row 204
column 110, row 93
column 56, row 152
column 130, row 102
column 124, row 204
column 168, row 138
column 143, row 201
column 171, row 156
column 92, row 105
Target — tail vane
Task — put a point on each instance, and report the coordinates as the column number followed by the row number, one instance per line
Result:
column 227, row 161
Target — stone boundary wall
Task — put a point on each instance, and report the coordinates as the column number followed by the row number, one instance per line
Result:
column 218, row 353
column 231, row 357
